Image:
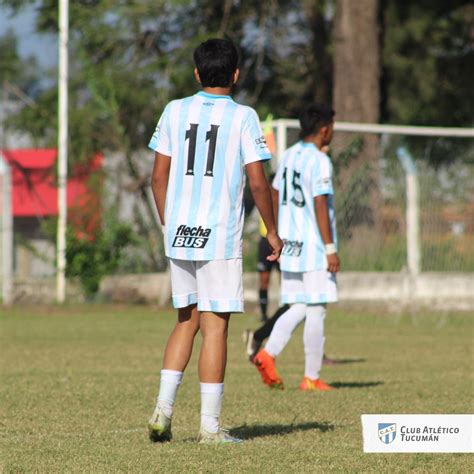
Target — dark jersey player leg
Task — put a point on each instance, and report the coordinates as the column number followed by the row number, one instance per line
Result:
column 254, row 339
column 264, row 268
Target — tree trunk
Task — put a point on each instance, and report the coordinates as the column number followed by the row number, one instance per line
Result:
column 356, row 61
column 356, row 98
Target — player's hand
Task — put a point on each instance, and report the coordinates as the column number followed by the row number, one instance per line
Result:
column 334, row 264
column 276, row 244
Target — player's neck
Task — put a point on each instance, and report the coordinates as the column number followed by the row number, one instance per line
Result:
column 315, row 140
column 217, row 90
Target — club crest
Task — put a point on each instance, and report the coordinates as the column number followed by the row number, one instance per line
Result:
column 387, row 432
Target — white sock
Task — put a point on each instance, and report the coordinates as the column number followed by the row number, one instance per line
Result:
column 313, row 338
column 284, row 328
column 211, row 403
column 169, row 383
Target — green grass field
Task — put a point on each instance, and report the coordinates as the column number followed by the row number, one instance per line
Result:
column 78, row 385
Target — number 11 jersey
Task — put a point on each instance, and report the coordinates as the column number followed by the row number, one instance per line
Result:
column 303, row 173
column 210, row 138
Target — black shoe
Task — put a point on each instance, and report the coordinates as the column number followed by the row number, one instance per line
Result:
column 252, row 346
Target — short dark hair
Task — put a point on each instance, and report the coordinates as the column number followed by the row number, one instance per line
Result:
column 216, row 61
column 315, row 116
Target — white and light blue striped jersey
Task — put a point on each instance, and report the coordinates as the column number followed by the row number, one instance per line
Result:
column 210, row 139
column 303, row 173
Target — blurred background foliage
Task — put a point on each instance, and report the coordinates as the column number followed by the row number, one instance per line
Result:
column 129, row 58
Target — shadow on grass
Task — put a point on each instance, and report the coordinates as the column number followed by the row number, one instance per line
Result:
column 356, row 384
column 257, row 431
column 342, row 361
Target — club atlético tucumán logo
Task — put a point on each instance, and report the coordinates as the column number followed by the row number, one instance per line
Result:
column 387, row 432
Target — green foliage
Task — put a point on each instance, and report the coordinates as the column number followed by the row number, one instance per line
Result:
column 428, row 59
column 22, row 72
column 128, row 59
column 90, row 259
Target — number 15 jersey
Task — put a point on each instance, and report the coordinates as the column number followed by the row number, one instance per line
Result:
column 303, row 173
column 210, row 139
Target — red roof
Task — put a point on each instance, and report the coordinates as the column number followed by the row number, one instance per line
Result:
column 34, row 191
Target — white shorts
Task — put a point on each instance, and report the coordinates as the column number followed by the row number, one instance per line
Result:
column 315, row 287
column 215, row 285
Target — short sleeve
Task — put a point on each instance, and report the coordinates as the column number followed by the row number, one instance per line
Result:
column 322, row 176
column 253, row 144
column 160, row 141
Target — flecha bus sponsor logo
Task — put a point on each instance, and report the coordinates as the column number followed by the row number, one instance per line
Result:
column 191, row 237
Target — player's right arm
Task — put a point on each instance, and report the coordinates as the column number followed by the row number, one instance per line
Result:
column 159, row 182
column 262, row 196
column 160, row 143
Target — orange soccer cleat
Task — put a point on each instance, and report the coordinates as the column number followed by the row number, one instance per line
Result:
column 265, row 364
column 316, row 385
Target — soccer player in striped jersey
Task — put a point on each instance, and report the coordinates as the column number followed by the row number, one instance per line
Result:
column 204, row 145
column 309, row 261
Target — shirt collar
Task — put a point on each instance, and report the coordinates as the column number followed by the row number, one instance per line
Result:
column 307, row 145
column 213, row 96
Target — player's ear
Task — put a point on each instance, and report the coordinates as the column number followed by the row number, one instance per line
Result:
column 236, row 75
column 323, row 131
column 196, row 75
column 326, row 132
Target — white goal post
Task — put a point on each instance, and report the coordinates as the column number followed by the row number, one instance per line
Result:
column 281, row 125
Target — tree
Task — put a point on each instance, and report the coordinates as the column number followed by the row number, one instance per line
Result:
column 356, row 61
column 128, row 59
column 357, row 99
column 16, row 70
column 428, row 59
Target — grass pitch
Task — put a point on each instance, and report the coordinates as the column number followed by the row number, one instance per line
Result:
column 79, row 383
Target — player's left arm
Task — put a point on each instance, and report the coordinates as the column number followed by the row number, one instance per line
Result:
column 254, row 151
column 322, row 218
column 159, row 182
column 261, row 193
column 322, row 189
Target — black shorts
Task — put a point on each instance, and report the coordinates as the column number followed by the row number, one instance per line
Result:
column 264, row 250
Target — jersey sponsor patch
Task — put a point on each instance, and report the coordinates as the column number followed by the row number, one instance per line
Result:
column 261, row 143
column 191, row 237
column 292, row 248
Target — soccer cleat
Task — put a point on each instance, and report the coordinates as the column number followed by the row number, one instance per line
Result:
column 221, row 437
column 252, row 346
column 265, row 364
column 315, row 385
column 159, row 427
